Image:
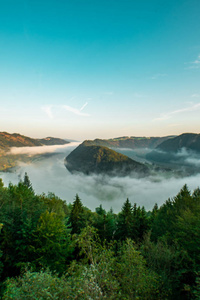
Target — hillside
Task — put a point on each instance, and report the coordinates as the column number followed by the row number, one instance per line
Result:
column 181, row 152
column 130, row 142
column 8, row 140
column 49, row 141
column 87, row 158
column 189, row 141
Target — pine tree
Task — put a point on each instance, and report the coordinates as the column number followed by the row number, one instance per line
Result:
column 27, row 181
column 76, row 215
column 125, row 221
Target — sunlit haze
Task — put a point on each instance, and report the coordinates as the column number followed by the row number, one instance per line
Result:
column 87, row 69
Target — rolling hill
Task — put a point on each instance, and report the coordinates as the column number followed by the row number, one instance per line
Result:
column 189, row 141
column 8, row 140
column 130, row 142
column 88, row 159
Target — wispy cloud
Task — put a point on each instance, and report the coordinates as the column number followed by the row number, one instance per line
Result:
column 169, row 115
column 41, row 149
column 197, row 61
column 195, row 95
column 84, row 105
column 194, row 64
column 48, row 109
column 76, row 111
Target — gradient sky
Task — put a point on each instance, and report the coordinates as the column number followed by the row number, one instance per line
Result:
column 83, row 69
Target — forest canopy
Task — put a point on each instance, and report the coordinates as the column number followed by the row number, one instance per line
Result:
column 50, row 249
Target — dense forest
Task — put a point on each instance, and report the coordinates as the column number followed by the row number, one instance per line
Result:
column 51, row 249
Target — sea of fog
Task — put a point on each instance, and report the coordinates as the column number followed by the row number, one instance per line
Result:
column 50, row 175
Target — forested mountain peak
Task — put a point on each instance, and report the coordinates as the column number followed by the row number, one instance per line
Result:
column 8, row 140
column 189, row 141
column 88, row 158
column 131, row 142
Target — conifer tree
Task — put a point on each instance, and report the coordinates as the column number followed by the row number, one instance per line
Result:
column 125, row 221
column 27, row 181
column 76, row 215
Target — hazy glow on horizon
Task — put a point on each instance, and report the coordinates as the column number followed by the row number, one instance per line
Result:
column 87, row 69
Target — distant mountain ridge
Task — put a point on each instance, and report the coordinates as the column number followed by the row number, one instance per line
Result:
column 8, row 140
column 130, row 142
column 178, row 150
column 88, row 159
column 189, row 141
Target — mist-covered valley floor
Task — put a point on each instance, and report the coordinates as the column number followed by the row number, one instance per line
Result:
column 49, row 174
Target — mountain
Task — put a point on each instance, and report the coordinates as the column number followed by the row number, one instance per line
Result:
column 48, row 141
column 130, row 142
column 189, row 141
column 87, row 158
column 8, row 140
column 181, row 151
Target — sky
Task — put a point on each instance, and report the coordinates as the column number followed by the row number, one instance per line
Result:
column 85, row 69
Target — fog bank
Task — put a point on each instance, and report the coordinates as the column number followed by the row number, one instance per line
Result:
column 42, row 149
column 50, row 175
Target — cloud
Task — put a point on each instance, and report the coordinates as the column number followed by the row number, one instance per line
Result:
column 75, row 110
column 41, row 149
column 178, row 111
column 48, row 109
column 197, row 61
column 50, row 175
column 84, row 105
column 189, row 157
column 194, row 64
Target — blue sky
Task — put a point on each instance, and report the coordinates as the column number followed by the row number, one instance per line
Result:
column 83, row 69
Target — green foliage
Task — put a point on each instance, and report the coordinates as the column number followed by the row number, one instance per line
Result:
column 27, row 182
column 168, row 262
column 87, row 158
column 47, row 234
column 76, row 217
column 136, row 281
column 89, row 243
column 132, row 222
column 20, row 210
column 177, row 223
column 51, row 245
column 105, row 222
column 36, row 285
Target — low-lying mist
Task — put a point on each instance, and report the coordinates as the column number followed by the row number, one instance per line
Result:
column 50, row 175
column 42, row 149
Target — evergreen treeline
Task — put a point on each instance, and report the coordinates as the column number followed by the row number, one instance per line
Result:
column 53, row 250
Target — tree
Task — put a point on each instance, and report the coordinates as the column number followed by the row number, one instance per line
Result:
column 36, row 285
column 76, row 216
column 27, row 181
column 136, row 281
column 125, row 221
column 52, row 246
